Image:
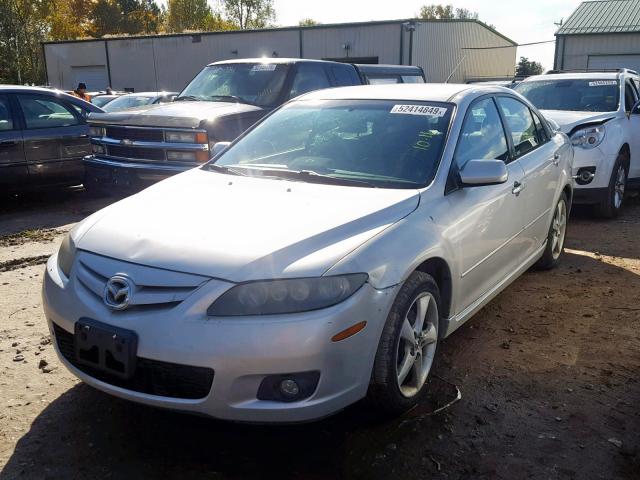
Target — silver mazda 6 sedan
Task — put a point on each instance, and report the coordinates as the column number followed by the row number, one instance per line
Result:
column 318, row 259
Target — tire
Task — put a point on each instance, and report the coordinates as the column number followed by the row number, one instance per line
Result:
column 611, row 206
column 556, row 236
column 389, row 392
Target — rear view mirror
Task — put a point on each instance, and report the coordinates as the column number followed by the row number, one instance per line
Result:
column 483, row 172
column 219, row 148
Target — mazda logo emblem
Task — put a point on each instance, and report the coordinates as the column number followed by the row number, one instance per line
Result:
column 117, row 292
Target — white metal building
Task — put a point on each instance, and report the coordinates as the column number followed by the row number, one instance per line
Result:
column 603, row 34
column 169, row 62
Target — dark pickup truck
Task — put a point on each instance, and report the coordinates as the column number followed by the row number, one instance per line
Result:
column 134, row 148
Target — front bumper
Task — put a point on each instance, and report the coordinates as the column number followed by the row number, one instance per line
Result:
column 127, row 174
column 596, row 189
column 241, row 351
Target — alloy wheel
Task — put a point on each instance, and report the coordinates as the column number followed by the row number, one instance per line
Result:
column 417, row 344
column 619, row 186
column 558, row 229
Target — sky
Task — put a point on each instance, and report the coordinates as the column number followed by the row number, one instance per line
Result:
column 520, row 20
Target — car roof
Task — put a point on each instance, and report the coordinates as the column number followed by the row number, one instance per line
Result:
column 575, row 76
column 148, row 94
column 50, row 91
column 435, row 92
column 276, row 60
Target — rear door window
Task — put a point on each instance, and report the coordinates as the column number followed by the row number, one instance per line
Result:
column 520, row 124
column 45, row 112
column 309, row 77
column 6, row 118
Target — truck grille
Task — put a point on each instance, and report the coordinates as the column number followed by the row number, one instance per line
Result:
column 152, row 377
column 138, row 134
column 141, row 153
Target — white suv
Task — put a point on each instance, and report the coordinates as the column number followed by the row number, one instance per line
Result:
column 600, row 112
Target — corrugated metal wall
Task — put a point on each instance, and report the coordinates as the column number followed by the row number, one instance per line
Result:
column 439, row 48
column 574, row 50
column 169, row 62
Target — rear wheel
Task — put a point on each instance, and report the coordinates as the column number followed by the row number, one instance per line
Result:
column 407, row 347
column 611, row 206
column 556, row 236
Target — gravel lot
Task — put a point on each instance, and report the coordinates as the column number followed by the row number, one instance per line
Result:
column 549, row 376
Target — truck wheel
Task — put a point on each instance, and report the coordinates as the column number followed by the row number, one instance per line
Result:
column 556, row 236
column 407, row 346
column 611, row 206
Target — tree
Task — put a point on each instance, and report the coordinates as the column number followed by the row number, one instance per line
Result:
column 194, row 15
column 250, row 13
column 67, row 19
column 445, row 12
column 308, row 22
column 111, row 17
column 526, row 67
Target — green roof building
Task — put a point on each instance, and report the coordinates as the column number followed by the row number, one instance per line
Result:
column 601, row 34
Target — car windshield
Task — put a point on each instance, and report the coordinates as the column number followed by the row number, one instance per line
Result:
column 578, row 95
column 253, row 83
column 127, row 101
column 375, row 143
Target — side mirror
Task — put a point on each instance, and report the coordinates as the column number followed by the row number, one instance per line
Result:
column 219, row 148
column 483, row 172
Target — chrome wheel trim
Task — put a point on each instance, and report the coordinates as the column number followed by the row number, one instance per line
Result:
column 619, row 186
column 416, row 346
column 558, row 229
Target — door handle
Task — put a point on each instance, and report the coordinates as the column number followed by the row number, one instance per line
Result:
column 556, row 158
column 517, row 188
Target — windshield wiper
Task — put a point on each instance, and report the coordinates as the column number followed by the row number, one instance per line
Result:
column 309, row 176
column 235, row 98
column 187, row 98
column 224, row 169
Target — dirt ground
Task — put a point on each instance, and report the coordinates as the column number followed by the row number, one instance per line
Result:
column 549, row 374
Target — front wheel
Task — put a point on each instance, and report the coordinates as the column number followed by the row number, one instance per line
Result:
column 611, row 206
column 407, row 346
column 556, row 236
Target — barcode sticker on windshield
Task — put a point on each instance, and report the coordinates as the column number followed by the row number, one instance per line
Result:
column 264, row 67
column 602, row 83
column 419, row 110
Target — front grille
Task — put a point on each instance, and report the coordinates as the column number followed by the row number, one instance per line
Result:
column 151, row 376
column 136, row 152
column 138, row 134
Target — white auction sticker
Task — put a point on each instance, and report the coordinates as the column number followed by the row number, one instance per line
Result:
column 264, row 67
column 603, row 83
column 419, row 110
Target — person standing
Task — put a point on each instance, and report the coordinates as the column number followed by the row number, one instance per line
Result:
column 81, row 92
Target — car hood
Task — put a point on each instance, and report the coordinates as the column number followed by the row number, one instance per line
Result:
column 174, row 114
column 240, row 228
column 570, row 120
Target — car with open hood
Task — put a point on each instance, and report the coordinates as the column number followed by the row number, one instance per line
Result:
column 316, row 260
column 600, row 112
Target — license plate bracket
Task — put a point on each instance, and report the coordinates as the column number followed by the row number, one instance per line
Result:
column 105, row 347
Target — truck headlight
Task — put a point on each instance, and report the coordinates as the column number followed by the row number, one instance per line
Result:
column 66, row 254
column 97, row 131
column 188, row 156
column 273, row 297
column 186, row 137
column 588, row 137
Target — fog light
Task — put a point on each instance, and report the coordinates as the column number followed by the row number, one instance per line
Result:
column 585, row 175
column 289, row 388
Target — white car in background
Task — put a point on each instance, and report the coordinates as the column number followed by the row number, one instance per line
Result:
column 316, row 260
column 600, row 113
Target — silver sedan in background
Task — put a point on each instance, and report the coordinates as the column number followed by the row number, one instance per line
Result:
column 318, row 259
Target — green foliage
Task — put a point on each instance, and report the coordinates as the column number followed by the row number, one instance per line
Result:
column 194, row 15
column 308, row 22
column 250, row 13
column 526, row 67
column 445, row 12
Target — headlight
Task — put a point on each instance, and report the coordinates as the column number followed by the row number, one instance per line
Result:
column 97, row 131
column 188, row 156
column 286, row 296
column 186, row 137
column 66, row 254
column 589, row 137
